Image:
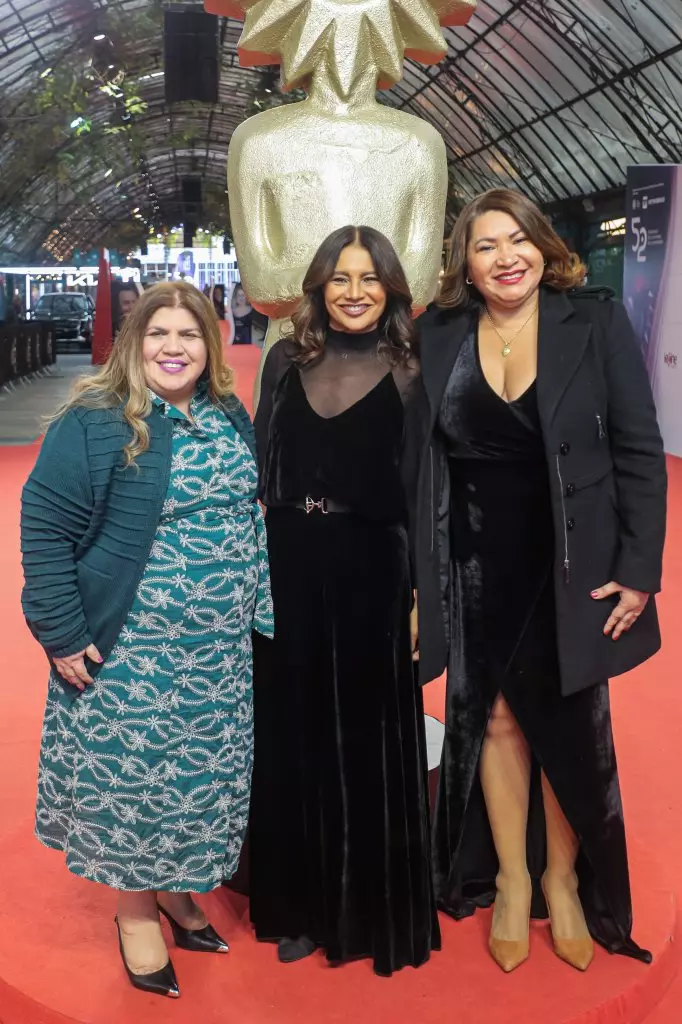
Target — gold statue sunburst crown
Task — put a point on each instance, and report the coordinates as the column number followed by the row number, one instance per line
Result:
column 301, row 34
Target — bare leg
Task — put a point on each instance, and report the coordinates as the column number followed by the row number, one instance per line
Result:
column 183, row 909
column 143, row 944
column 505, row 778
column 560, row 882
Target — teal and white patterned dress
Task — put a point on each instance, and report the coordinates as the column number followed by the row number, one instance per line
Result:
column 145, row 777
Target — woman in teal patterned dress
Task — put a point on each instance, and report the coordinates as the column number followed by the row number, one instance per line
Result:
column 146, row 572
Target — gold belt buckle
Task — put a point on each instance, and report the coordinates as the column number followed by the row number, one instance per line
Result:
column 311, row 505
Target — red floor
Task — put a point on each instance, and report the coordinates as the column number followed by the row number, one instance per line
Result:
column 58, row 961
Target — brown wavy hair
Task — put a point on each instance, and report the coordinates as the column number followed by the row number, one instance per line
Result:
column 563, row 269
column 311, row 319
column 121, row 381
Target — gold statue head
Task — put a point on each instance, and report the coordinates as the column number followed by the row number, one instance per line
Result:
column 301, row 35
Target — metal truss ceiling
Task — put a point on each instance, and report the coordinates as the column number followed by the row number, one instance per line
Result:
column 555, row 97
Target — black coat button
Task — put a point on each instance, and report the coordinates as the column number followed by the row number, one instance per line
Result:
column 570, row 490
column 564, row 447
column 570, row 524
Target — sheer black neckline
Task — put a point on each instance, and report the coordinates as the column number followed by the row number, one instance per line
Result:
column 347, row 341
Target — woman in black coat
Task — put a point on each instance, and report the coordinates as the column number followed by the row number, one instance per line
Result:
column 539, row 539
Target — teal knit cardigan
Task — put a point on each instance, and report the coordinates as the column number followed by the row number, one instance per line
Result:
column 88, row 524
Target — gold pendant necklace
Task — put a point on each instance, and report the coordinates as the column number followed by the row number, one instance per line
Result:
column 506, row 345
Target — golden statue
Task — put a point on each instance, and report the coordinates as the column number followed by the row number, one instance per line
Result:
column 299, row 171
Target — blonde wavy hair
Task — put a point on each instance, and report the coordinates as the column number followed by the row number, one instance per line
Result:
column 121, row 381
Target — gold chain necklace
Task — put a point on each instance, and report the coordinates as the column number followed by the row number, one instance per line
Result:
column 506, row 345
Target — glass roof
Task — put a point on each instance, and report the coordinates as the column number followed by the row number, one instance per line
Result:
column 556, row 97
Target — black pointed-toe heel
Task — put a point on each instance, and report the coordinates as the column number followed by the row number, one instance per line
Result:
column 159, row 983
column 200, row 940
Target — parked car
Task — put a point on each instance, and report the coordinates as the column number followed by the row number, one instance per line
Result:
column 70, row 314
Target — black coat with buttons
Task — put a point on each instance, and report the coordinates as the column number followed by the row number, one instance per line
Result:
column 607, row 477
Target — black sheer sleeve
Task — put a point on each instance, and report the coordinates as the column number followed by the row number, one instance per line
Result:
column 416, row 405
column 276, row 365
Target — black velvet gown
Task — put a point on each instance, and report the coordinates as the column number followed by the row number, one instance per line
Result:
column 339, row 830
column 504, row 641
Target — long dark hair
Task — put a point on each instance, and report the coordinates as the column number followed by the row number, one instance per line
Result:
column 563, row 269
column 311, row 320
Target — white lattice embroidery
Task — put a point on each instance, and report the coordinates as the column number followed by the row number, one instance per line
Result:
column 144, row 779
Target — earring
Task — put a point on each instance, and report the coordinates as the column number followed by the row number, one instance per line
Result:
column 468, row 281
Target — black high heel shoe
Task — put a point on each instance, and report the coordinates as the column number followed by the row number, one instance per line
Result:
column 200, row 940
column 159, row 983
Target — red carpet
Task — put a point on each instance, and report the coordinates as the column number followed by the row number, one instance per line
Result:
column 58, row 958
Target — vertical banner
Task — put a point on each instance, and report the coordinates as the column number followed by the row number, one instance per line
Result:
column 652, row 285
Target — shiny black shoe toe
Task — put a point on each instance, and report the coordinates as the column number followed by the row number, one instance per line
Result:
column 291, row 950
column 159, row 983
column 201, row 940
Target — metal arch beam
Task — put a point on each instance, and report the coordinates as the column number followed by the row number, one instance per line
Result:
column 501, row 56
column 540, row 19
column 512, row 126
column 167, row 194
column 581, row 97
column 478, row 125
column 626, row 73
column 544, row 16
column 20, row 18
column 480, row 128
column 512, row 135
column 605, row 50
column 623, row 15
column 502, row 19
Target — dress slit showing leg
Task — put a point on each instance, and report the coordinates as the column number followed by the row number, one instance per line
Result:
column 503, row 629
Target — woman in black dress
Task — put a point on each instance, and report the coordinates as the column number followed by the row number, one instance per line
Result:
column 539, row 544
column 339, row 828
column 242, row 314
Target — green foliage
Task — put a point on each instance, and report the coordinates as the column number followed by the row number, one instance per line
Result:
column 77, row 117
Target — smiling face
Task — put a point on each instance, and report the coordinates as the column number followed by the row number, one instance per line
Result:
column 503, row 264
column 354, row 296
column 174, row 354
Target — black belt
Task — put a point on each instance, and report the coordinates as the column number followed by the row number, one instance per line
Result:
column 323, row 505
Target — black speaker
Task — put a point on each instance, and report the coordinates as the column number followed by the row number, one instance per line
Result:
column 144, row 249
column 188, row 235
column 191, row 191
column 191, row 200
column 191, row 55
column 227, row 246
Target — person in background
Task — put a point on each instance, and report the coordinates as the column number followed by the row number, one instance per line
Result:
column 127, row 297
column 539, row 543
column 242, row 314
column 339, row 832
column 218, row 299
column 146, row 571
column 124, row 297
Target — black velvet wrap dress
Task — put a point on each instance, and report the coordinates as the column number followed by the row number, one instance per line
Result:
column 339, row 829
column 504, row 641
